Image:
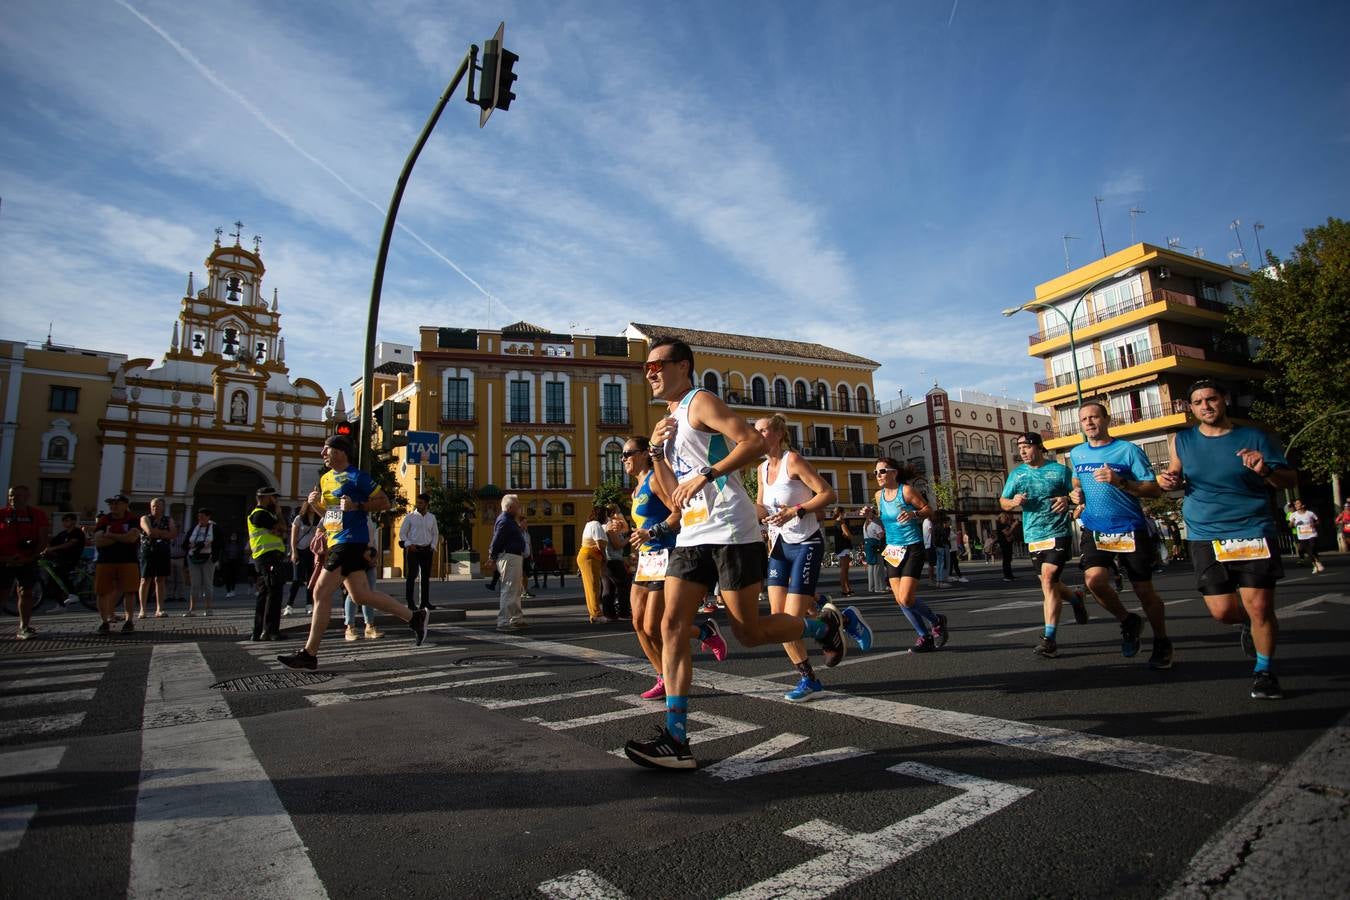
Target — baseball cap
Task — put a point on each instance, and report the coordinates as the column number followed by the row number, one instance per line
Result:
column 117, row 498
column 339, row 442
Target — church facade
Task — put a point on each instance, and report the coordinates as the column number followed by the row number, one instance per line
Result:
column 219, row 417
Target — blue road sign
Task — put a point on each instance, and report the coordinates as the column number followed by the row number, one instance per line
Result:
column 424, row 448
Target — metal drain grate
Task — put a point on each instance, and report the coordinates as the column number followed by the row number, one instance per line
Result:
column 83, row 640
column 486, row 662
column 273, row 681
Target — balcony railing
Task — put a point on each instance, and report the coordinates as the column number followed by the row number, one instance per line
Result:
column 1129, row 357
column 919, row 465
column 843, row 449
column 1131, row 415
column 460, row 477
column 457, row 411
column 977, row 505
column 1119, row 309
column 613, row 415
column 826, row 403
column 987, row 461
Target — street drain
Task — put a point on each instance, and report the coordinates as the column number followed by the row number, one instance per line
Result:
column 273, row 681
column 489, row 662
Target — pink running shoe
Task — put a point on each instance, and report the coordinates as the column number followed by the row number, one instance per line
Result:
column 714, row 643
column 656, row 691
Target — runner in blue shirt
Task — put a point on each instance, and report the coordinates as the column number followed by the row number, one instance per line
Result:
column 1109, row 476
column 1040, row 489
column 1228, row 471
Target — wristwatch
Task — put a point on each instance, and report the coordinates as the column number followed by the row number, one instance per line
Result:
column 708, row 473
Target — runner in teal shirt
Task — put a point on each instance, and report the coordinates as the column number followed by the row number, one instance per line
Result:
column 1040, row 489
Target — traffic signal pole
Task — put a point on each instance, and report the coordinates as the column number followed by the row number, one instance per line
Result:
column 377, row 284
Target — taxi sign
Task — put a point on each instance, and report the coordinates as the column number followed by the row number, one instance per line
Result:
column 424, row 448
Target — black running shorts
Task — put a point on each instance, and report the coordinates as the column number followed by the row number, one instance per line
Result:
column 1137, row 564
column 1057, row 556
column 911, row 566
column 346, row 558
column 729, row 566
column 1213, row 578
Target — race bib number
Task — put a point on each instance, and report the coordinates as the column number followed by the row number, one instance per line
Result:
column 1241, row 550
column 1047, row 544
column 1116, row 543
column 894, row 555
column 1306, row 532
column 652, row 565
column 332, row 516
column 696, row 513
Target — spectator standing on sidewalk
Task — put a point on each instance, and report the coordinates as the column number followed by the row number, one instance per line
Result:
column 874, row 540
column 1343, row 527
column 506, row 552
column 268, row 548
column 1005, row 533
column 591, row 562
column 302, row 557
column 230, row 559
column 418, row 535
column 23, row 536
column 157, row 532
column 526, row 559
column 178, row 583
column 614, row 577
column 203, row 546
column 66, row 550
column 116, row 574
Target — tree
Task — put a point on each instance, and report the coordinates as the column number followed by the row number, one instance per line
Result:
column 382, row 471
column 750, row 476
column 611, row 490
column 1299, row 315
column 944, row 493
column 453, row 507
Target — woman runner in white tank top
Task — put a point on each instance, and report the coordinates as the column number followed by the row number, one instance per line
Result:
column 790, row 492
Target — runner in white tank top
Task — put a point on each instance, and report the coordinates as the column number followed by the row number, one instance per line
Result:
column 703, row 446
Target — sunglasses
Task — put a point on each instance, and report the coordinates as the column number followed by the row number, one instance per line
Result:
column 653, row 366
column 881, row 472
column 629, row 454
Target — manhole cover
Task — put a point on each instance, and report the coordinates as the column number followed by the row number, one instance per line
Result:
column 273, row 681
column 487, row 662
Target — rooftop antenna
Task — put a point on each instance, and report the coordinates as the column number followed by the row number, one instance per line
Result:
column 1174, row 243
column 1135, row 212
column 1199, row 252
column 1066, row 239
column 1257, row 228
column 1097, row 201
column 1235, row 226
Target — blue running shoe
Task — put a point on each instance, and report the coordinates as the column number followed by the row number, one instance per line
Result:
column 805, row 690
column 856, row 627
column 1129, row 635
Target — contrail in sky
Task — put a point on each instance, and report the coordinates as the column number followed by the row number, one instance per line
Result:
column 276, row 129
column 950, row 19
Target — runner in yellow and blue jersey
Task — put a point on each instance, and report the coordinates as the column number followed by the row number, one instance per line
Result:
column 653, row 539
column 345, row 497
column 1040, row 489
column 1108, row 477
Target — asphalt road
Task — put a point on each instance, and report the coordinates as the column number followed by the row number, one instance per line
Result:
column 483, row 764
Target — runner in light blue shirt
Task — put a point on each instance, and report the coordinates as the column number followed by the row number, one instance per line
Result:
column 1108, row 477
column 1228, row 472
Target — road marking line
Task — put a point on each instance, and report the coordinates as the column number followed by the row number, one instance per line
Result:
column 43, row 670
column 1011, row 632
column 853, row 856
column 14, row 824
column 53, row 663
column 25, row 683
column 1301, row 608
column 328, row 699
column 80, row 696
column 1169, row 762
column 1013, row 604
column 205, row 804
column 848, row 661
column 489, row 703
column 758, row 760
column 639, row 707
column 30, row 762
column 39, row 725
column 581, row 885
column 720, row 727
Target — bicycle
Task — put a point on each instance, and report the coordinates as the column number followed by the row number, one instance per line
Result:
column 51, row 587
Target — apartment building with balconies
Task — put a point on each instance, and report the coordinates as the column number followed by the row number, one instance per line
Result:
column 1150, row 322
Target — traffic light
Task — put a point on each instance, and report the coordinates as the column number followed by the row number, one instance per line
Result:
column 393, row 418
column 494, row 90
column 350, row 430
column 503, row 95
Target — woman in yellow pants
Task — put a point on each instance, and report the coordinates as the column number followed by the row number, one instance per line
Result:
column 591, row 561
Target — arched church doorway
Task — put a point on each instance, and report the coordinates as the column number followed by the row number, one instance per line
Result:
column 230, row 491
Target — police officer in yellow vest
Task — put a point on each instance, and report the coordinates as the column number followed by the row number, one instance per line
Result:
column 265, row 529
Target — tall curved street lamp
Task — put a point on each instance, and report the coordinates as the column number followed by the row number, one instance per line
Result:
column 1068, row 320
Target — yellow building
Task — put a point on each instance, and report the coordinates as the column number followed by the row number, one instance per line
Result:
column 1151, row 321
column 51, row 400
column 825, row 394
column 545, row 415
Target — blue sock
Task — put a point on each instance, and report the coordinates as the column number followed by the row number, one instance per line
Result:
column 1050, row 631
column 704, row 629
column 813, row 628
column 1262, row 664
column 922, row 609
column 677, row 710
column 916, row 620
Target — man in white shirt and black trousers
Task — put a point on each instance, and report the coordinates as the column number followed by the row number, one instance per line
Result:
column 418, row 535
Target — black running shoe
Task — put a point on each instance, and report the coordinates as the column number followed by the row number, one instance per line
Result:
column 1129, row 635
column 662, row 752
column 1161, row 658
column 1265, row 686
column 299, row 660
column 128, row 627
column 1245, row 639
column 104, row 628
column 940, row 635
column 418, row 623
column 1080, row 611
column 832, row 643
column 1047, row 648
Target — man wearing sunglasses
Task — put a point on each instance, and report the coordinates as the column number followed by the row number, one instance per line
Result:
column 1040, row 490
column 697, row 452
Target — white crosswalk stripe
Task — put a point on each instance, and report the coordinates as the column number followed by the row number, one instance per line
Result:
column 23, row 763
column 47, row 711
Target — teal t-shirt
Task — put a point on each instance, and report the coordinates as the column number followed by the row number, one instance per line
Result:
column 1040, row 483
column 1225, row 499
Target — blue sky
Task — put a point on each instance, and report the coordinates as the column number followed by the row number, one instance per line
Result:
column 883, row 178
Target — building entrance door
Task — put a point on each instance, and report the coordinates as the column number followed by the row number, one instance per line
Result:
column 231, row 493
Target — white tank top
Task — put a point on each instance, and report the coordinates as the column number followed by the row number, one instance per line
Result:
column 786, row 493
column 721, row 513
